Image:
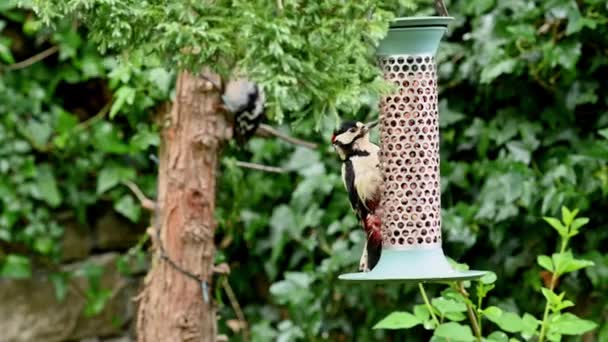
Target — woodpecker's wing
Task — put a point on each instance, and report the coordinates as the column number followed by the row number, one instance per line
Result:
column 348, row 177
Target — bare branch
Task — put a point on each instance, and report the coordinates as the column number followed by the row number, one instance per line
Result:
column 34, row 59
column 236, row 307
column 146, row 203
column 260, row 167
column 441, row 9
column 266, row 130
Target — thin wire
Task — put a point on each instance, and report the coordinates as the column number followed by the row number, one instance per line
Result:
column 163, row 256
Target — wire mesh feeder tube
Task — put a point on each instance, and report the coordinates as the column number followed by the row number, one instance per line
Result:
column 409, row 157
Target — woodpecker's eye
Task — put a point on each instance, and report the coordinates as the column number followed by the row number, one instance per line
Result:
column 353, row 130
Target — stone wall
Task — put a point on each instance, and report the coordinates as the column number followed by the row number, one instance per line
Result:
column 30, row 310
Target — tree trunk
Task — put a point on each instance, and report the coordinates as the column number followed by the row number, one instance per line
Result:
column 172, row 305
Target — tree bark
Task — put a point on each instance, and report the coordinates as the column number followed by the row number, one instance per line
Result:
column 172, row 305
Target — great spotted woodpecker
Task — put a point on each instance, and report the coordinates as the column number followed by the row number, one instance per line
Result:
column 246, row 101
column 363, row 181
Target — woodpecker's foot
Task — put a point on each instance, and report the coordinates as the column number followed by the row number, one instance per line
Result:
column 363, row 261
column 373, row 228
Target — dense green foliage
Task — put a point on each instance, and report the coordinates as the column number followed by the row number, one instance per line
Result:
column 524, row 123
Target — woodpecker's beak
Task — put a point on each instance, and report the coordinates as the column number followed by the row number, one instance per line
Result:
column 368, row 126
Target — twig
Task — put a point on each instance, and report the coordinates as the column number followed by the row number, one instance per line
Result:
column 146, row 203
column 472, row 316
column 100, row 115
column 428, row 304
column 260, row 167
column 34, row 59
column 236, row 307
column 441, row 9
column 266, row 130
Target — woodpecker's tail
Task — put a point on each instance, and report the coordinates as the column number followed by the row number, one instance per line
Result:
column 372, row 226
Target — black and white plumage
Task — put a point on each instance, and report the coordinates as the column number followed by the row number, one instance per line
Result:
column 363, row 181
column 246, row 101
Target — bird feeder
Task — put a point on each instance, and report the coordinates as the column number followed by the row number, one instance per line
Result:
column 409, row 158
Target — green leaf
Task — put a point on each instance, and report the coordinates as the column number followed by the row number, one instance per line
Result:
column 530, row 325
column 507, row 321
column 445, row 306
column 38, row 132
column 127, row 207
column 144, row 139
column 5, row 51
column 568, row 216
column 554, row 299
column 545, row 262
column 108, row 138
column 576, row 224
column 455, row 332
column 46, row 186
column 488, row 278
column 493, row 70
column 15, row 266
column 398, row 320
column 96, row 302
column 422, row 312
column 124, row 94
column 570, row 324
column 565, row 263
column 498, row 336
column 603, row 132
column 555, row 223
column 492, row 313
column 112, row 175
column 60, row 283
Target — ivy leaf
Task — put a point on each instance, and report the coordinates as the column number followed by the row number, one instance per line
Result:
column 15, row 266
column 398, row 320
column 5, row 51
column 112, row 175
column 455, row 332
column 492, row 71
column 46, row 186
column 60, row 283
column 96, row 302
column 570, row 324
column 124, row 94
column 127, row 207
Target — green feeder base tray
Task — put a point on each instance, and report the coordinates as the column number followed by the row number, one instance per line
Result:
column 412, row 265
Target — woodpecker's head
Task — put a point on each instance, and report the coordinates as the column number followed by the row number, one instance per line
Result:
column 351, row 137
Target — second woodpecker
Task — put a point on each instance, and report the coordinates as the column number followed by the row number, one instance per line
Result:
column 246, row 101
column 363, row 181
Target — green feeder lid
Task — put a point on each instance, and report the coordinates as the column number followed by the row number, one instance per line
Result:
column 412, row 265
column 421, row 22
column 414, row 36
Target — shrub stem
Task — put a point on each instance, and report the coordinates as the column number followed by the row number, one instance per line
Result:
column 545, row 324
column 472, row 317
column 428, row 304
